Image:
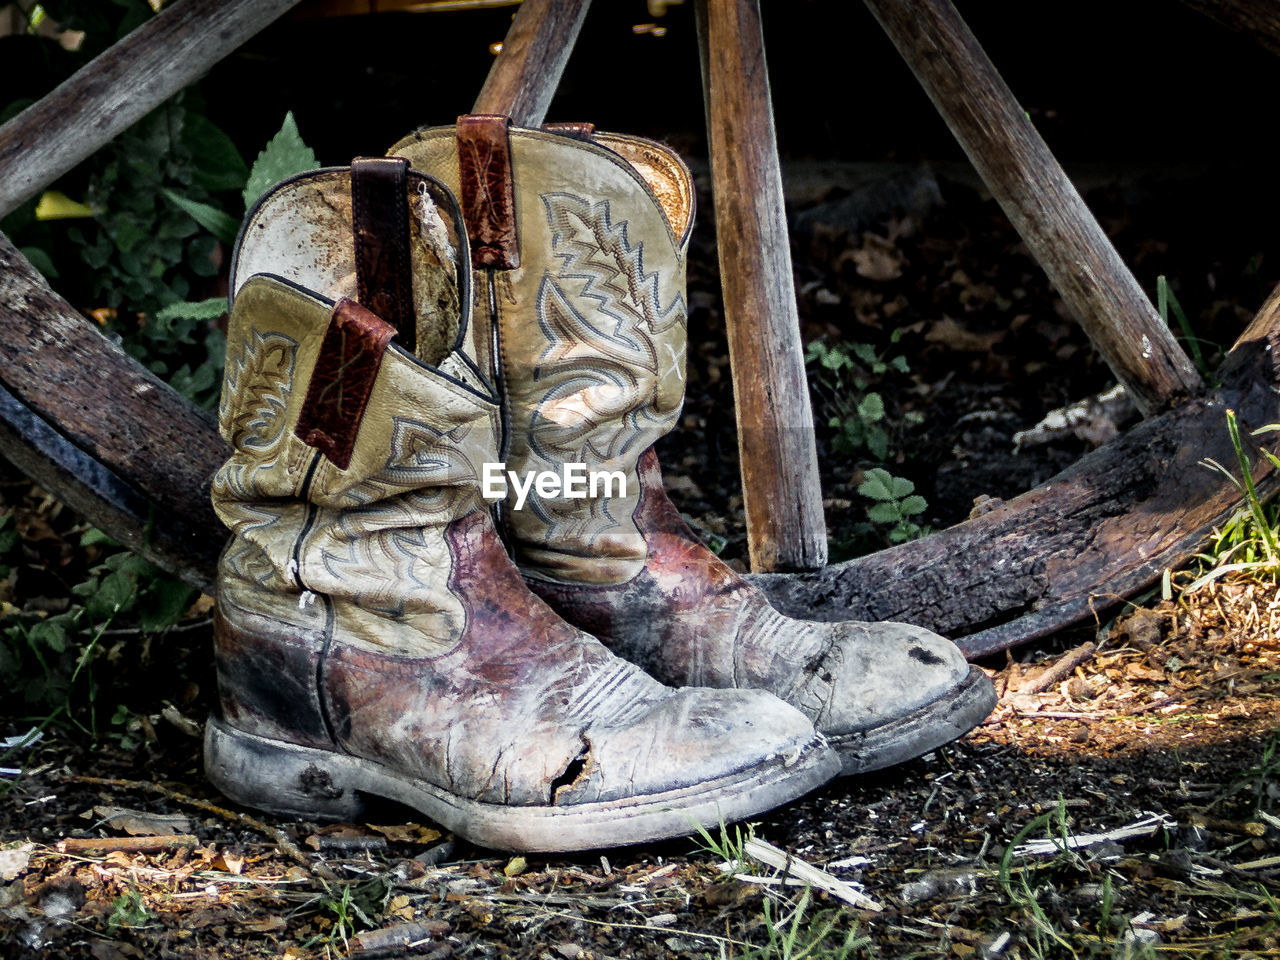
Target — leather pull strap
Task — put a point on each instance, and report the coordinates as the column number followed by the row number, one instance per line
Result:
column 579, row 131
column 488, row 190
column 380, row 211
column 345, row 370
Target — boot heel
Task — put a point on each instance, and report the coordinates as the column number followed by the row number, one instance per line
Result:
column 282, row 778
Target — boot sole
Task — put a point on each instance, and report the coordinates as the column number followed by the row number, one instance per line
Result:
column 297, row 781
column 914, row 735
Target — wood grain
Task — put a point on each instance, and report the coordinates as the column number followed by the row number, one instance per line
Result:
column 100, row 432
column 782, row 492
column 524, row 77
column 1043, row 205
column 121, row 85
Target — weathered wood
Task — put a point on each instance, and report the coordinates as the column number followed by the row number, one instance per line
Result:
column 1097, row 532
column 101, row 433
column 121, row 85
column 1044, row 207
column 1258, row 19
column 524, row 77
column 782, row 492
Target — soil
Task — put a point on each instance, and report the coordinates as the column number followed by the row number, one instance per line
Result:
column 1147, row 762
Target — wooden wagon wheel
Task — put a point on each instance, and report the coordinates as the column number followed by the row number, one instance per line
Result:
column 112, row 441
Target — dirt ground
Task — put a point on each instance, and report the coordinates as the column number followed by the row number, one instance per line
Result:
column 1123, row 800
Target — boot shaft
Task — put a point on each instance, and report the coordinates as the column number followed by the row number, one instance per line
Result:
column 351, row 457
column 583, row 245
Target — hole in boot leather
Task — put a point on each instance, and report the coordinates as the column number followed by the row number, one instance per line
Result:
column 572, row 773
column 924, row 656
column 315, row 782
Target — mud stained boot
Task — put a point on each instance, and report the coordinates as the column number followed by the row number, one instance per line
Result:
column 583, row 237
column 372, row 635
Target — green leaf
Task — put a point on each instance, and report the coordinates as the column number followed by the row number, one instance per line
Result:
column 884, row 513
column 910, row 506
column 284, row 155
column 210, row 309
column 41, row 261
column 899, row 363
column 865, row 352
column 201, row 257
column 116, row 593
column 217, row 163
column 190, row 383
column 877, row 484
column 901, row 487
column 94, row 536
column 49, row 633
column 871, row 408
column 221, row 225
column 877, row 442
column 163, row 604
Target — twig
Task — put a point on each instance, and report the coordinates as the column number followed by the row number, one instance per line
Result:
column 779, row 859
column 399, row 938
column 283, row 843
column 1062, row 669
column 94, row 846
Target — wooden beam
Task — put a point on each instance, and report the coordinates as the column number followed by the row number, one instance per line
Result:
column 1098, row 532
column 1044, row 207
column 524, row 77
column 781, row 487
column 121, row 85
column 102, row 434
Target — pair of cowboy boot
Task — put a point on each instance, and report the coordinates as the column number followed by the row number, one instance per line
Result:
column 373, row 638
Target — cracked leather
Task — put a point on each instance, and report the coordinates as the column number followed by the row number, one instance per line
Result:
column 372, row 610
column 592, row 364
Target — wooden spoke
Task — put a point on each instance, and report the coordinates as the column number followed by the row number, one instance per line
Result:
column 1039, row 200
column 524, row 77
column 99, row 432
column 781, row 488
column 121, row 85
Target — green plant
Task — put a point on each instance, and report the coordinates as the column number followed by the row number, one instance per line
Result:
column 729, row 847
column 51, row 658
column 1166, row 299
column 352, row 905
column 1249, row 540
column 129, row 909
column 821, row 935
column 896, row 505
column 856, row 415
column 1024, row 896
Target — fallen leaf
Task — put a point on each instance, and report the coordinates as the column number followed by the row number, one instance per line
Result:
column 14, row 862
column 138, row 823
column 408, row 833
column 948, row 332
column 876, row 259
column 264, row 925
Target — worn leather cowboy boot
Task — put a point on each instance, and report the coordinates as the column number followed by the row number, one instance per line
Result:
column 372, row 635
column 582, row 237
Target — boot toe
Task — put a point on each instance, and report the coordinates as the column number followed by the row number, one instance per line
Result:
column 884, row 693
column 697, row 738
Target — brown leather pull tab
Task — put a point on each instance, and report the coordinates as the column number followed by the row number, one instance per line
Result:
column 345, row 370
column 380, row 211
column 579, row 131
column 488, row 190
